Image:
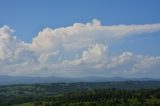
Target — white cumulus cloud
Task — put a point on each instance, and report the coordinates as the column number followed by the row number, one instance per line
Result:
column 77, row 50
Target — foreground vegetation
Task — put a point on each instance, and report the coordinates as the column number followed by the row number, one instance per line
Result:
column 129, row 93
column 103, row 97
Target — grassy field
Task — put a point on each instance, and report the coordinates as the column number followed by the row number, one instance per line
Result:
column 25, row 104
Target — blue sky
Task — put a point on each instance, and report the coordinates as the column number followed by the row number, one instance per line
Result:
column 29, row 17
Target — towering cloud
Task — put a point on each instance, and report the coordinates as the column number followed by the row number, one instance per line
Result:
column 80, row 49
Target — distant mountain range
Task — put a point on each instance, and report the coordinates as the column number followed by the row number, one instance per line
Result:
column 8, row 80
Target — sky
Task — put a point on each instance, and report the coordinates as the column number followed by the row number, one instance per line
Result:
column 71, row 38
